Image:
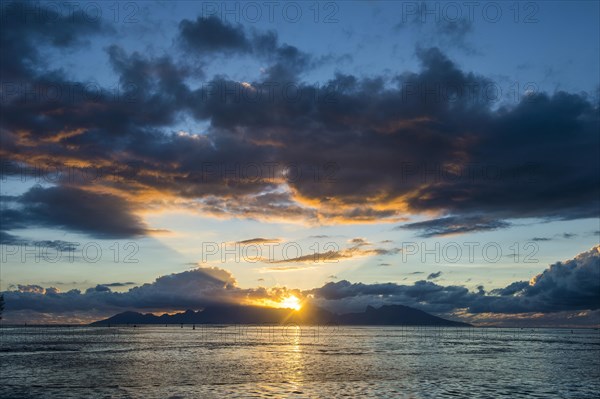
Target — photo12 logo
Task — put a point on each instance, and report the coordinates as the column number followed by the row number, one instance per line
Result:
column 469, row 252
column 69, row 252
column 469, row 11
column 75, row 12
column 327, row 12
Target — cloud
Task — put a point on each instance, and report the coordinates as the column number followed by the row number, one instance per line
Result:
column 259, row 240
column 73, row 209
column 119, row 284
column 98, row 288
column 343, row 296
column 192, row 289
column 356, row 250
column 452, row 155
column 324, row 257
column 32, row 288
column 59, row 245
column 568, row 286
column 359, row 242
column 454, row 225
column 433, row 276
column 27, row 25
column 572, row 285
column 210, row 34
column 442, row 32
column 566, row 236
column 456, row 30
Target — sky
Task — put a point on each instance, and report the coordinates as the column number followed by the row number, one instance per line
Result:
column 163, row 156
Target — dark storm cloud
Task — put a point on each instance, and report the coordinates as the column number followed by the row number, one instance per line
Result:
column 26, row 25
column 542, row 122
column 567, row 285
column 211, row 35
column 287, row 63
column 454, row 225
column 92, row 126
column 564, row 286
column 425, row 142
column 500, row 183
column 346, row 296
column 99, row 215
column 511, row 289
column 192, row 289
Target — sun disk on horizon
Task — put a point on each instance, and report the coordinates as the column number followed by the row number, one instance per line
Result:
column 291, row 302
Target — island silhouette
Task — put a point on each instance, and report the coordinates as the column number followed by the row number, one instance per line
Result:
column 309, row 314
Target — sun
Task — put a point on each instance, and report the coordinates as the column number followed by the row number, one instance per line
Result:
column 291, row 302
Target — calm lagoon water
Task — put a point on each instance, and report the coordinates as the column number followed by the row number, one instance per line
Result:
column 307, row 362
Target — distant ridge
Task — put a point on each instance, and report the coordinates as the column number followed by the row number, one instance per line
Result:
column 237, row 314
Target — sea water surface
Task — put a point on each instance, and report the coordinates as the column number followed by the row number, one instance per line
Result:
column 297, row 362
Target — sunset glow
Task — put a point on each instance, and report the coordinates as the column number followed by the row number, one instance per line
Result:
column 299, row 198
column 178, row 155
column 291, row 302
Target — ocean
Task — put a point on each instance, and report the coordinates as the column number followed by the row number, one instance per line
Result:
column 297, row 362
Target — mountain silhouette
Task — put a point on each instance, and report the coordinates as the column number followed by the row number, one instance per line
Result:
column 309, row 314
